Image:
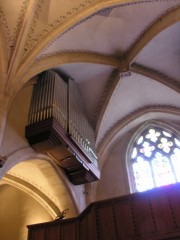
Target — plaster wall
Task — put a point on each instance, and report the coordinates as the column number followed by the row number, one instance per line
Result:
column 17, row 210
column 114, row 180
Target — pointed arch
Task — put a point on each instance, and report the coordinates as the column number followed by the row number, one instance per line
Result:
column 68, row 58
column 127, row 123
column 153, row 156
column 26, row 70
column 34, row 192
column 69, row 22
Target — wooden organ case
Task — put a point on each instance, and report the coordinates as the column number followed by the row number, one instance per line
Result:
column 58, row 126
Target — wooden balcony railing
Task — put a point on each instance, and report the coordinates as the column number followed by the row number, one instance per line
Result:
column 151, row 215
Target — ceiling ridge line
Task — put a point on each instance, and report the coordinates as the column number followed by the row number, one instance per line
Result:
column 157, row 76
column 105, row 97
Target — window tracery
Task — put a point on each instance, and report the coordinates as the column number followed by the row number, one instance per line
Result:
column 155, row 158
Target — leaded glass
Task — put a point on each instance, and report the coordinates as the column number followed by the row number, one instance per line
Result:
column 167, row 134
column 153, row 135
column 175, row 162
column 142, row 174
column 134, row 153
column 165, row 145
column 147, row 149
column 162, row 170
column 177, row 142
column 155, row 158
column 140, row 140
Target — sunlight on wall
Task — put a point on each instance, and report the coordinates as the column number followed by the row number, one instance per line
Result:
column 17, row 210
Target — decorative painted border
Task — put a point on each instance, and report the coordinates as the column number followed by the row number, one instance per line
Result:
column 54, row 25
column 5, row 30
column 32, row 41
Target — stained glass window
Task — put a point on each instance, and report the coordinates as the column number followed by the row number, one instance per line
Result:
column 155, row 158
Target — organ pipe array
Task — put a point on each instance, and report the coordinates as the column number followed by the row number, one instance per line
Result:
column 59, row 127
column 49, row 99
column 79, row 127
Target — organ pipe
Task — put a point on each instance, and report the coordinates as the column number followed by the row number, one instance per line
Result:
column 55, row 98
column 49, row 99
column 79, row 127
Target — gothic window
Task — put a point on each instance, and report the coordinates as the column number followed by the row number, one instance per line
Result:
column 154, row 158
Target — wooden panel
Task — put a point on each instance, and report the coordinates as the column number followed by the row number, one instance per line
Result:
column 162, row 212
column 49, row 137
column 105, row 223
column 143, row 216
column 53, row 232
column 174, row 203
column 58, row 126
column 152, row 215
column 37, row 233
column 123, row 219
column 82, row 229
column 68, row 231
column 91, row 224
column 87, row 225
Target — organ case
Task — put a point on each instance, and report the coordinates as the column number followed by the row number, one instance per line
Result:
column 59, row 127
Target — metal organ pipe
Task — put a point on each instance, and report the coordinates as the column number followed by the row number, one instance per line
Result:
column 53, row 97
column 80, row 128
column 58, row 126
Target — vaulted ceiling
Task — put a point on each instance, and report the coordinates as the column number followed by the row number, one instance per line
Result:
column 123, row 54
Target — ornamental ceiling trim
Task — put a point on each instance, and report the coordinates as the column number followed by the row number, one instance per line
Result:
column 73, row 17
column 109, row 9
column 5, row 30
column 12, row 35
column 21, row 39
column 163, row 22
column 3, row 59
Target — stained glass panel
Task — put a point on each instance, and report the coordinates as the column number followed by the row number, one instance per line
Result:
column 162, row 170
column 139, row 141
column 142, row 175
column 155, row 158
column 147, row 149
column 165, row 145
column 167, row 134
column 153, row 135
column 134, row 153
column 177, row 142
column 175, row 162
